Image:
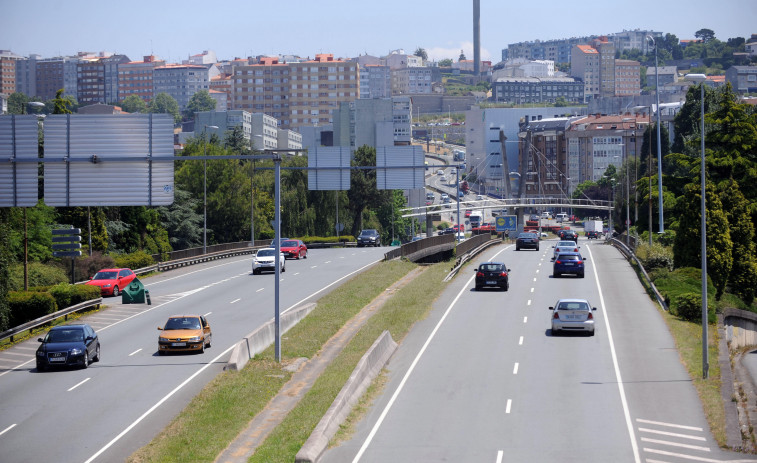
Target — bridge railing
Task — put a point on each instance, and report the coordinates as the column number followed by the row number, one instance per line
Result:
column 490, row 203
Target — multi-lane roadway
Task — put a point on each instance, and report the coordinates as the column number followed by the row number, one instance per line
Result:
column 114, row 407
column 483, row 379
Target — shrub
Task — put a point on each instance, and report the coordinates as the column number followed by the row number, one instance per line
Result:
column 134, row 260
column 39, row 275
column 326, row 239
column 27, row 306
column 88, row 266
column 688, row 306
column 62, row 295
column 655, row 256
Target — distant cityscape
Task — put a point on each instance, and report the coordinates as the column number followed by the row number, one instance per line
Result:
column 553, row 96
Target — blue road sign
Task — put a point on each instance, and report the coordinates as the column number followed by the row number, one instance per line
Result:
column 506, row 222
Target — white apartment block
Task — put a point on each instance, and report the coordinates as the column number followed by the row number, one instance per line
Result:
column 375, row 81
column 181, row 81
column 416, row 80
column 265, row 131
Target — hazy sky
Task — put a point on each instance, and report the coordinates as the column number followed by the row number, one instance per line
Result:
column 173, row 30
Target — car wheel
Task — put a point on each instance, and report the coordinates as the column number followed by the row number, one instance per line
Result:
column 478, row 288
column 555, row 332
column 40, row 367
column 160, row 352
column 96, row 358
column 306, row 255
column 537, row 248
column 202, row 347
column 517, row 248
column 555, row 274
column 85, row 363
column 115, row 291
column 210, row 340
column 507, row 286
column 283, row 268
column 581, row 275
column 591, row 333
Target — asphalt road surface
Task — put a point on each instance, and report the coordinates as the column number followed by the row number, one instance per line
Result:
column 114, row 407
column 483, row 379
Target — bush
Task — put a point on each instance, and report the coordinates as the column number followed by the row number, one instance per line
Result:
column 655, row 256
column 88, row 266
column 39, row 275
column 27, row 306
column 134, row 260
column 326, row 239
column 688, row 306
column 67, row 295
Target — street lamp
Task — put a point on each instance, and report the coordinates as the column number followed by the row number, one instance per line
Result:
column 705, row 362
column 205, row 189
column 36, row 104
column 659, row 142
column 252, row 191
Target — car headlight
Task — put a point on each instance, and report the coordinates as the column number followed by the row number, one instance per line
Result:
column 194, row 339
column 162, row 339
column 107, row 285
column 76, row 351
column 40, row 353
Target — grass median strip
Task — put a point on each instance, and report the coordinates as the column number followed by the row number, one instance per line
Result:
column 407, row 306
column 227, row 404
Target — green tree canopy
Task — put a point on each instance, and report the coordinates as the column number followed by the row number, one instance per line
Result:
column 445, row 63
column 134, row 104
column 743, row 278
column 363, row 189
column 422, row 53
column 705, row 35
column 200, row 101
column 163, row 103
column 63, row 103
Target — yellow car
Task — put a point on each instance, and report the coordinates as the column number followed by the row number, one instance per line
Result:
column 184, row 333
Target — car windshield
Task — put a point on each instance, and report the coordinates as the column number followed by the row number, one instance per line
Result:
column 266, row 253
column 491, row 267
column 527, row 235
column 68, row 335
column 573, row 305
column 183, row 323
column 368, row 233
column 105, row 276
column 288, row 244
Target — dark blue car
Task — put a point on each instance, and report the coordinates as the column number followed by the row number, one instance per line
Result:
column 68, row 345
column 568, row 263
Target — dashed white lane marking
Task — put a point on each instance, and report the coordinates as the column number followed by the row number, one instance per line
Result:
column 525, row 319
column 529, row 302
column 537, row 271
column 235, row 301
column 500, row 454
column 520, row 341
column 534, row 278
column 135, row 352
column 296, row 273
column 74, row 387
column 673, row 434
column 515, row 368
column 261, row 289
column 207, row 314
column 7, row 429
column 327, row 262
column 314, row 266
column 509, row 405
column 532, row 290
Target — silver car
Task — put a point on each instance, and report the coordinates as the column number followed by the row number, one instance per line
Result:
column 564, row 246
column 572, row 315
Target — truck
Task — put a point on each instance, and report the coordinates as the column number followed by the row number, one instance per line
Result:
column 593, row 226
column 476, row 218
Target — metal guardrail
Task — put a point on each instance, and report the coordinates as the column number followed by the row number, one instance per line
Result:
column 49, row 317
column 631, row 255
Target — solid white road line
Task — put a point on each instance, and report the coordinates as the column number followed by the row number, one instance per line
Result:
column 621, row 389
column 7, row 429
column 670, row 425
column 82, row 382
column 676, row 444
column 135, row 352
column 672, row 434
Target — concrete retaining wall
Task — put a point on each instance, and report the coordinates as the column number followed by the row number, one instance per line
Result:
column 261, row 338
column 740, row 328
column 366, row 370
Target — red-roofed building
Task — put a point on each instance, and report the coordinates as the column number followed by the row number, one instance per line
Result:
column 136, row 78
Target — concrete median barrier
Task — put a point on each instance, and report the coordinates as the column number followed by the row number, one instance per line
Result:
column 263, row 337
column 366, row 370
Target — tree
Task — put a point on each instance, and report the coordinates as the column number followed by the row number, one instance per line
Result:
column 17, row 103
column 743, row 279
column 561, row 102
column 163, row 103
column 462, row 56
column 200, row 101
column 687, row 243
column 445, row 63
column 705, row 35
column 134, row 104
column 235, row 140
column 422, row 53
column 63, row 104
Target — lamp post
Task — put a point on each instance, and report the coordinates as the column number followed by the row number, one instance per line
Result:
column 36, row 104
column 205, row 189
column 705, row 362
column 659, row 142
column 252, row 190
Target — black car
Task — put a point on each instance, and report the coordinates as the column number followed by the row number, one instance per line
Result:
column 593, row 234
column 492, row 274
column 568, row 235
column 68, row 345
column 527, row 240
column 369, row 237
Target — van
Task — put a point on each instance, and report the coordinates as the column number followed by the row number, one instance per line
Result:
column 562, row 217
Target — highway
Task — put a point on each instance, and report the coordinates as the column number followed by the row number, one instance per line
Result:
column 114, row 407
column 482, row 378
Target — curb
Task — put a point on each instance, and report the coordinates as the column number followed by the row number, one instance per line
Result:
column 366, row 370
column 264, row 336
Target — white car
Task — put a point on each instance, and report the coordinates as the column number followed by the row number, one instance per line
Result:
column 440, row 172
column 563, row 247
column 479, row 197
column 445, row 196
column 263, row 260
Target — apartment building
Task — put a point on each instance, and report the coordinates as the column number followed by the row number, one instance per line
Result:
column 97, row 79
column 225, row 121
column 8, row 61
column 318, row 87
column 265, row 131
column 136, row 78
column 667, row 75
column 375, row 81
column 742, row 78
column 263, row 87
column 543, row 160
column 412, row 80
column 26, row 75
column 560, row 50
column 289, row 139
column 181, row 81
column 627, row 77
column 521, row 90
column 595, row 65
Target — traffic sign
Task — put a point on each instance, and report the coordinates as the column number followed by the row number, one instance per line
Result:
column 506, row 222
column 68, row 242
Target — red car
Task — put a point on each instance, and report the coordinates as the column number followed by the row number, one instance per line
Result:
column 468, row 213
column 112, row 280
column 294, row 249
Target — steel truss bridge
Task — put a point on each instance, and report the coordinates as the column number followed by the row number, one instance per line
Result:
column 512, row 205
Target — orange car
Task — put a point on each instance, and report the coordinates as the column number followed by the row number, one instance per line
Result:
column 183, row 333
